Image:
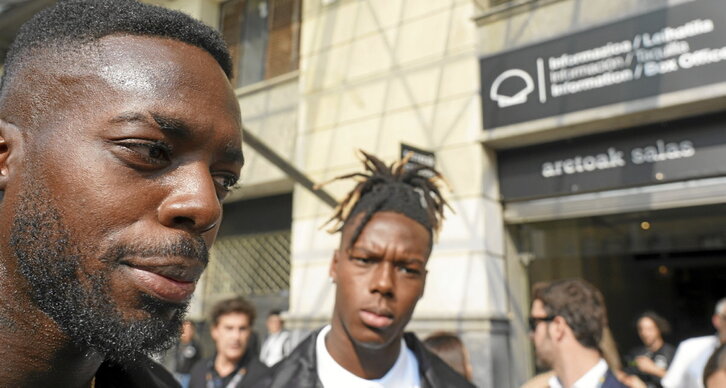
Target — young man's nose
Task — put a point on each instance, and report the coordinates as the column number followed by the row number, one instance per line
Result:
column 383, row 279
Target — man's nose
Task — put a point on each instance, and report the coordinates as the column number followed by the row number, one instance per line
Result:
column 192, row 203
column 383, row 279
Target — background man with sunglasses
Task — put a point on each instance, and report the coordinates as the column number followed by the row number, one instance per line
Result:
column 566, row 325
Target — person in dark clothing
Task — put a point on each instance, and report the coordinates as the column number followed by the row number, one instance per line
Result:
column 120, row 136
column 181, row 357
column 388, row 223
column 233, row 365
column 650, row 361
column 450, row 348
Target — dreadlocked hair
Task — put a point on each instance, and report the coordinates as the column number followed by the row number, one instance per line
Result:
column 411, row 191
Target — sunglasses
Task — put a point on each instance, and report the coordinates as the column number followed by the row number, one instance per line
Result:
column 534, row 321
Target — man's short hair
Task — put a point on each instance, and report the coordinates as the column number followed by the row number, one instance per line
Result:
column 715, row 363
column 74, row 23
column 237, row 305
column 448, row 347
column 661, row 323
column 580, row 304
column 720, row 307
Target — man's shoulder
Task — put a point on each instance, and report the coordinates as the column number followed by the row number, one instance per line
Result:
column 143, row 373
column 699, row 342
column 298, row 369
column 433, row 369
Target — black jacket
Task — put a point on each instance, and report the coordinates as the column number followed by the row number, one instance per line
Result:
column 142, row 374
column 255, row 374
column 299, row 369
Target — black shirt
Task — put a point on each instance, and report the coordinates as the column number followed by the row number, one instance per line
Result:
column 661, row 357
column 185, row 356
column 246, row 374
column 142, row 374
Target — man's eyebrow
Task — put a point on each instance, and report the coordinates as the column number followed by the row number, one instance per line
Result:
column 170, row 126
column 234, row 154
column 411, row 261
column 177, row 128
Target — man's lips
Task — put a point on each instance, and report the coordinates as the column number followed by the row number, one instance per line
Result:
column 378, row 319
column 170, row 282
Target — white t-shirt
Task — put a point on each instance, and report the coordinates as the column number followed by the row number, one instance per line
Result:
column 592, row 379
column 275, row 348
column 403, row 374
column 686, row 370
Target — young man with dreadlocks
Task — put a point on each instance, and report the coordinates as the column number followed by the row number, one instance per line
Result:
column 388, row 223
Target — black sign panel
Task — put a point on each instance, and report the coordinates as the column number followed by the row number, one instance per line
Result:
column 677, row 150
column 672, row 49
column 422, row 157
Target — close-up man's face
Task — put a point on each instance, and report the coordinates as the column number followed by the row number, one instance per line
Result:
column 231, row 335
column 117, row 198
column 380, row 278
column 540, row 336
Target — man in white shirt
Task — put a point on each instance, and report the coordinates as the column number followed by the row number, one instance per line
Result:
column 278, row 343
column 566, row 323
column 387, row 226
column 686, row 371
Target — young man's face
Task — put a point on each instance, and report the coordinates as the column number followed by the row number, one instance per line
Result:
column 380, row 278
column 231, row 335
column 116, row 197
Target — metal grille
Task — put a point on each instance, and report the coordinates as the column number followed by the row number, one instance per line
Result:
column 250, row 264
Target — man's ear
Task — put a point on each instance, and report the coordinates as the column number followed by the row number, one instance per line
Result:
column 559, row 328
column 423, row 287
column 333, row 270
column 10, row 149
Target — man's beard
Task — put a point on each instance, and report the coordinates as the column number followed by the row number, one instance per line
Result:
column 84, row 308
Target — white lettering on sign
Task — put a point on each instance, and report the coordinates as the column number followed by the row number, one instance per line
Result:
column 579, row 164
column 662, row 151
column 581, row 85
column 614, row 158
column 670, row 34
column 702, row 57
column 648, row 54
column 662, row 67
column 606, row 51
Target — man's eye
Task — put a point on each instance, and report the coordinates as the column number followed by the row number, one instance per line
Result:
column 362, row 260
column 155, row 153
column 409, row 270
column 226, row 183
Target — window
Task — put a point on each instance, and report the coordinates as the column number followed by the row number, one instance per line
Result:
column 263, row 37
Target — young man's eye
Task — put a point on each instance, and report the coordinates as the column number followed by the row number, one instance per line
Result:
column 361, row 260
column 409, row 270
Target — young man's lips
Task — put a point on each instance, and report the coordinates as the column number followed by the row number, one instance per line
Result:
column 372, row 319
column 163, row 287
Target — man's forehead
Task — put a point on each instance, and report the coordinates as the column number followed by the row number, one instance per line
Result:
column 123, row 66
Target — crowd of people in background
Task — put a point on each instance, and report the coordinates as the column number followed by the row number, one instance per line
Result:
column 569, row 327
column 569, row 331
column 379, row 271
